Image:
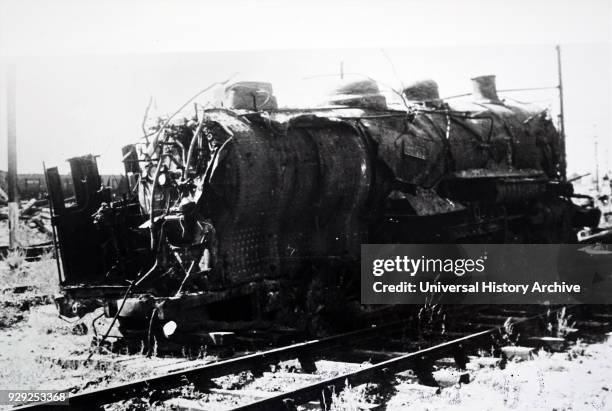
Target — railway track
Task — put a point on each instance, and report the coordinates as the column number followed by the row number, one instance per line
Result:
column 390, row 348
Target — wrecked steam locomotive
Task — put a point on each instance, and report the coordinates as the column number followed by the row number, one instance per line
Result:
column 249, row 213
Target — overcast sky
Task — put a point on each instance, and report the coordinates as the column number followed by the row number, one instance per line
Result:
column 83, row 85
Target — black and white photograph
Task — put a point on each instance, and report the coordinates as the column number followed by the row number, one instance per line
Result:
column 337, row 206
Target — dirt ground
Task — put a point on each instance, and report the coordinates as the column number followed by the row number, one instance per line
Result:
column 578, row 380
column 30, row 326
column 32, row 334
column 31, row 331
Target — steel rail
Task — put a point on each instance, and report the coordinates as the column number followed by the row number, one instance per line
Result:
column 382, row 370
column 95, row 398
column 361, row 376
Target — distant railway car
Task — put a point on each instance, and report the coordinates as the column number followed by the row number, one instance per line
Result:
column 34, row 185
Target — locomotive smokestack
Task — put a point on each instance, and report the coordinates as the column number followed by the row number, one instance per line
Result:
column 250, row 95
column 424, row 90
column 483, row 88
column 359, row 94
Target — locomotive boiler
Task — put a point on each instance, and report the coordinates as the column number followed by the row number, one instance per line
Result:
column 247, row 213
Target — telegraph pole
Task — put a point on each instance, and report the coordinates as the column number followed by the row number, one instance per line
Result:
column 11, row 120
column 563, row 161
column 596, row 159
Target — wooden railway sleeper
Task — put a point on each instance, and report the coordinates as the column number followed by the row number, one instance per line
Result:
column 307, row 363
column 460, row 357
column 289, row 404
column 423, row 369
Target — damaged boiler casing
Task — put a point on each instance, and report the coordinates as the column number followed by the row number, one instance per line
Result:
column 250, row 214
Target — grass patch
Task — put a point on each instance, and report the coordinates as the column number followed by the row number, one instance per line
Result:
column 41, row 275
column 352, row 398
column 24, row 285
